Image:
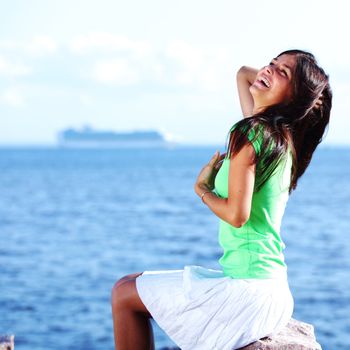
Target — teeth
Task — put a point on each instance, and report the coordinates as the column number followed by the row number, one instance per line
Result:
column 265, row 81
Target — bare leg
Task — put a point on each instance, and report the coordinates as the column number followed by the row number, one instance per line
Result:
column 131, row 319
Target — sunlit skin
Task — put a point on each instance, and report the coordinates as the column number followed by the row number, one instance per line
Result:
column 279, row 73
column 131, row 319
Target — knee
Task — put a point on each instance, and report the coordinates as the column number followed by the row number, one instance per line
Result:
column 121, row 291
column 117, row 293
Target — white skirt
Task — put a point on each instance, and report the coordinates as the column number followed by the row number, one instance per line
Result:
column 202, row 309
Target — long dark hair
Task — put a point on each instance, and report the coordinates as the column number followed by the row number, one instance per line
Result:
column 297, row 126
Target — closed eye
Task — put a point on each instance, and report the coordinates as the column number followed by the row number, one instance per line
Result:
column 284, row 72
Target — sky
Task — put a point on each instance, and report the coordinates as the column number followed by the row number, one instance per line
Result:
column 155, row 64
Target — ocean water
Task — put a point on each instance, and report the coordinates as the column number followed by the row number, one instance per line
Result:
column 72, row 222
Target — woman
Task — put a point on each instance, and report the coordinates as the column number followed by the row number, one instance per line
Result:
column 286, row 106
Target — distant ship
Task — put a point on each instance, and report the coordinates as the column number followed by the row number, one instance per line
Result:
column 90, row 138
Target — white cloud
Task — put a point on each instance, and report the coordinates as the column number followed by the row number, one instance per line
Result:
column 185, row 53
column 109, row 42
column 130, row 62
column 179, row 63
column 128, row 71
column 9, row 68
column 125, row 62
column 203, row 68
column 12, row 96
column 115, row 71
column 42, row 45
column 86, row 100
column 37, row 46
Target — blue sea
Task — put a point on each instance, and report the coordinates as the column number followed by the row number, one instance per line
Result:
column 72, row 222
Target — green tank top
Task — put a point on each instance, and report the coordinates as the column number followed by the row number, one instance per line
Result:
column 255, row 250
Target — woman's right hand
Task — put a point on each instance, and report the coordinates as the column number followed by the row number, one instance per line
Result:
column 206, row 177
column 219, row 163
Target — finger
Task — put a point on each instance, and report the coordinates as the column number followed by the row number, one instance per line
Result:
column 218, row 164
column 220, row 161
column 214, row 158
column 318, row 103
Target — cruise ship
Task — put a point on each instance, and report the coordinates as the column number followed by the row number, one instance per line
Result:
column 91, row 138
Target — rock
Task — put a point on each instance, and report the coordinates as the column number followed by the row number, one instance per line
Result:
column 7, row 342
column 296, row 335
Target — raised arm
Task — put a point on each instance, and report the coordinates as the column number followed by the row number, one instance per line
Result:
column 245, row 78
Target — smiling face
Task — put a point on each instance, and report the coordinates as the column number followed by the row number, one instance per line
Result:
column 273, row 83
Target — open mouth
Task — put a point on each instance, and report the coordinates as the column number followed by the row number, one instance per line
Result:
column 263, row 82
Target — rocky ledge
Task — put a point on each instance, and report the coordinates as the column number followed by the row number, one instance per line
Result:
column 296, row 335
column 7, row 342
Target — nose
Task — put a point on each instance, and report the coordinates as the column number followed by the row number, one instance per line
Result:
column 268, row 69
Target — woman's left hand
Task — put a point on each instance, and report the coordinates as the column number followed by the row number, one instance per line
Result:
column 206, row 177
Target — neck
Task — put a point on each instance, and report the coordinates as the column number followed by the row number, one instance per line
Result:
column 257, row 109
